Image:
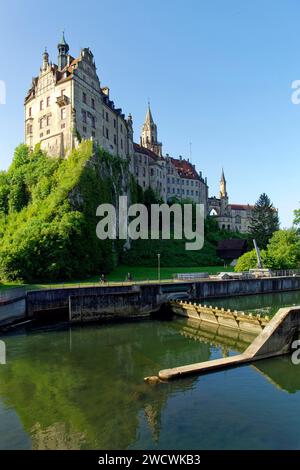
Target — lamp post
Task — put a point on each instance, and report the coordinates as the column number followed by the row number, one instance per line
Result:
column 158, row 266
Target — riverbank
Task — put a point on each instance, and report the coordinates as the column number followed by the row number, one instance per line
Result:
column 119, row 274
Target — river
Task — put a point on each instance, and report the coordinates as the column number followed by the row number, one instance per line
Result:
column 82, row 388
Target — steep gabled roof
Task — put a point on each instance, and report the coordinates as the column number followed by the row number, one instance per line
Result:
column 185, row 169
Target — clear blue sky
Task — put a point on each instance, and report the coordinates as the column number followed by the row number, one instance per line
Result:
column 218, row 73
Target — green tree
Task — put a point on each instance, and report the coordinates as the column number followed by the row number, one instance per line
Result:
column 297, row 218
column 264, row 221
column 284, row 249
column 4, row 192
column 249, row 261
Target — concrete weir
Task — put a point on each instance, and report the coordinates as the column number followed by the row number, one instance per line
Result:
column 220, row 316
column 274, row 340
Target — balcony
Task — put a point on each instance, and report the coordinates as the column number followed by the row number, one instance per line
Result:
column 62, row 100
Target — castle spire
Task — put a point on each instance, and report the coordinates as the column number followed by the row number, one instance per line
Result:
column 223, row 189
column 63, row 49
column 149, row 118
column 149, row 134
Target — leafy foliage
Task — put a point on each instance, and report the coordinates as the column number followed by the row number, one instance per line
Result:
column 283, row 252
column 297, row 218
column 48, row 214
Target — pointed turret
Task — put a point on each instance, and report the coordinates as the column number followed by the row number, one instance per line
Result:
column 223, row 190
column 149, row 134
column 63, row 49
column 149, row 118
column 45, row 60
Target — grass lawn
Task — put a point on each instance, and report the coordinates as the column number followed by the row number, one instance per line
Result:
column 138, row 273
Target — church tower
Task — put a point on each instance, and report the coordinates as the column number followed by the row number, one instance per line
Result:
column 223, row 191
column 63, row 49
column 149, row 134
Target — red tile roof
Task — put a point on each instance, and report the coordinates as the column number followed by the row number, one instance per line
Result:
column 241, row 207
column 185, row 169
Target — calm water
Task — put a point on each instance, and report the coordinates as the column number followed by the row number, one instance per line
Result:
column 82, row 388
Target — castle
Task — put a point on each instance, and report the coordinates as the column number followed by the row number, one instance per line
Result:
column 66, row 103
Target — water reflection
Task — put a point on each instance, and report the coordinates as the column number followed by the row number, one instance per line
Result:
column 82, row 388
column 266, row 304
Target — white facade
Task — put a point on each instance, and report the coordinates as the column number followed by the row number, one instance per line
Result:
column 65, row 105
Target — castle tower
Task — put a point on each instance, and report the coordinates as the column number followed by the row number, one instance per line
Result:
column 223, row 194
column 45, row 60
column 149, row 134
column 63, row 49
column 223, row 190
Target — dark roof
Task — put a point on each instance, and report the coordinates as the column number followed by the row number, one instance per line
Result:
column 232, row 243
column 231, row 248
column 138, row 148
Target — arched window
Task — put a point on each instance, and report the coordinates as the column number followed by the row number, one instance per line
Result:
column 213, row 212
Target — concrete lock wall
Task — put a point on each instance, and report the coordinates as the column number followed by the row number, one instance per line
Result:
column 151, row 296
column 52, row 299
column 137, row 303
column 92, row 303
column 227, row 288
column 10, row 311
column 107, row 307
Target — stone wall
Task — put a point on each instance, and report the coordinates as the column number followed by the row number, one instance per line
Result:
column 230, row 288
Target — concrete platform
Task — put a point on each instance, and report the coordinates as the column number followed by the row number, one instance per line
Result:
column 275, row 340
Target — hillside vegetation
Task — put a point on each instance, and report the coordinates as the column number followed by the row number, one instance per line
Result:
column 48, row 213
column 48, row 219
